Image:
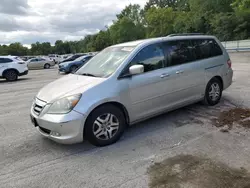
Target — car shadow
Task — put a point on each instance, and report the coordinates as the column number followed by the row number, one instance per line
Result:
column 18, row 80
column 185, row 116
column 179, row 117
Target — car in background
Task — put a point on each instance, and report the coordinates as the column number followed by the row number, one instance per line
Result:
column 72, row 66
column 40, row 63
column 56, row 58
column 11, row 67
column 24, row 58
column 72, row 58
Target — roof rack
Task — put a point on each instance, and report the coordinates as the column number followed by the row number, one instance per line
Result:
column 184, row 34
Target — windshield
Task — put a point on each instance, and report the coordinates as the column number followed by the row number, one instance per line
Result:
column 69, row 57
column 80, row 58
column 106, row 62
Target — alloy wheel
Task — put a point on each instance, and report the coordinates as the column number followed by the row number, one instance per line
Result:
column 105, row 126
column 214, row 91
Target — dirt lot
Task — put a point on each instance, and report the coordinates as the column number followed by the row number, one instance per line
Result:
column 177, row 144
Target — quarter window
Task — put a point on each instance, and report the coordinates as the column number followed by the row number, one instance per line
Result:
column 178, row 52
column 207, row 48
column 151, row 57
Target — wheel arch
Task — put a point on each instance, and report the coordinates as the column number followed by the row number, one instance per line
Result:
column 115, row 103
column 4, row 72
column 220, row 79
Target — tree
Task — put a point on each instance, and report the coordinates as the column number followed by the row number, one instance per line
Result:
column 241, row 5
column 227, row 19
column 3, row 49
column 132, row 12
column 59, row 47
column 224, row 25
column 211, row 6
column 17, row 49
column 182, row 5
column 125, row 30
column 160, row 21
column 102, row 40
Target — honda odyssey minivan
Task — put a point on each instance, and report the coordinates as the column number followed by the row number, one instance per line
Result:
column 131, row 82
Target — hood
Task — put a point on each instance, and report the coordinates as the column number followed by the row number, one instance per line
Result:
column 66, row 86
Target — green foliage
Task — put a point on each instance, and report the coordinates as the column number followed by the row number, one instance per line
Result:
column 16, row 49
column 241, row 5
column 160, row 21
column 125, row 30
column 174, row 4
column 210, row 6
column 227, row 19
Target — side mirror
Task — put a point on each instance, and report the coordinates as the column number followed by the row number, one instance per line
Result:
column 136, row 69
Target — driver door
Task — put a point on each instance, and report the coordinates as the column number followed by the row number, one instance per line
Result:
column 146, row 89
column 32, row 63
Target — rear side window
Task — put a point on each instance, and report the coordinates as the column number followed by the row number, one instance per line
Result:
column 206, row 48
column 178, row 52
column 5, row 60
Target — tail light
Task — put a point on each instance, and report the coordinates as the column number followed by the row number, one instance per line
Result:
column 229, row 63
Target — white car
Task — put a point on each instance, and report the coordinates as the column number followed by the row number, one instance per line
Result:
column 56, row 58
column 11, row 67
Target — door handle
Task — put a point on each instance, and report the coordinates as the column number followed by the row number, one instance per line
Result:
column 179, row 72
column 164, row 75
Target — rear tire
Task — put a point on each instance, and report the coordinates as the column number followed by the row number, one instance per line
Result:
column 11, row 75
column 213, row 92
column 47, row 66
column 105, row 125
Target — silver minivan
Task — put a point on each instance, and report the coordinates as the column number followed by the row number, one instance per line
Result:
column 131, row 82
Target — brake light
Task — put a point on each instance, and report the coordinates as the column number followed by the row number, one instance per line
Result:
column 229, row 63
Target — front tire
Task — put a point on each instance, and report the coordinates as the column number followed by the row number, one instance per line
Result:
column 213, row 92
column 11, row 75
column 105, row 125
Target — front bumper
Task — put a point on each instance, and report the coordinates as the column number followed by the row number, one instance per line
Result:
column 63, row 69
column 62, row 128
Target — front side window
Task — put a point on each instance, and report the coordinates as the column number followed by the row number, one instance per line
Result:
column 151, row 57
column 178, row 52
column 5, row 60
column 106, row 62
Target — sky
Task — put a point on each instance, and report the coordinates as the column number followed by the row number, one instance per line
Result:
column 29, row 21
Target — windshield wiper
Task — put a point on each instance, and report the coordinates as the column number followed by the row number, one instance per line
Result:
column 88, row 74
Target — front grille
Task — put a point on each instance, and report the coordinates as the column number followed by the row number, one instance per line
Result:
column 38, row 106
column 47, row 131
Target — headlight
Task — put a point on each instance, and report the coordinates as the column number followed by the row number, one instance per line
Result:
column 64, row 105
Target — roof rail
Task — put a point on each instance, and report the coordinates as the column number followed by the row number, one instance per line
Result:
column 184, row 34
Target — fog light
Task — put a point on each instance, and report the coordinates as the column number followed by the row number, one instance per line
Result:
column 55, row 133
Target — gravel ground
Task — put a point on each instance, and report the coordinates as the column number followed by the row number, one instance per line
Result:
column 29, row 160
